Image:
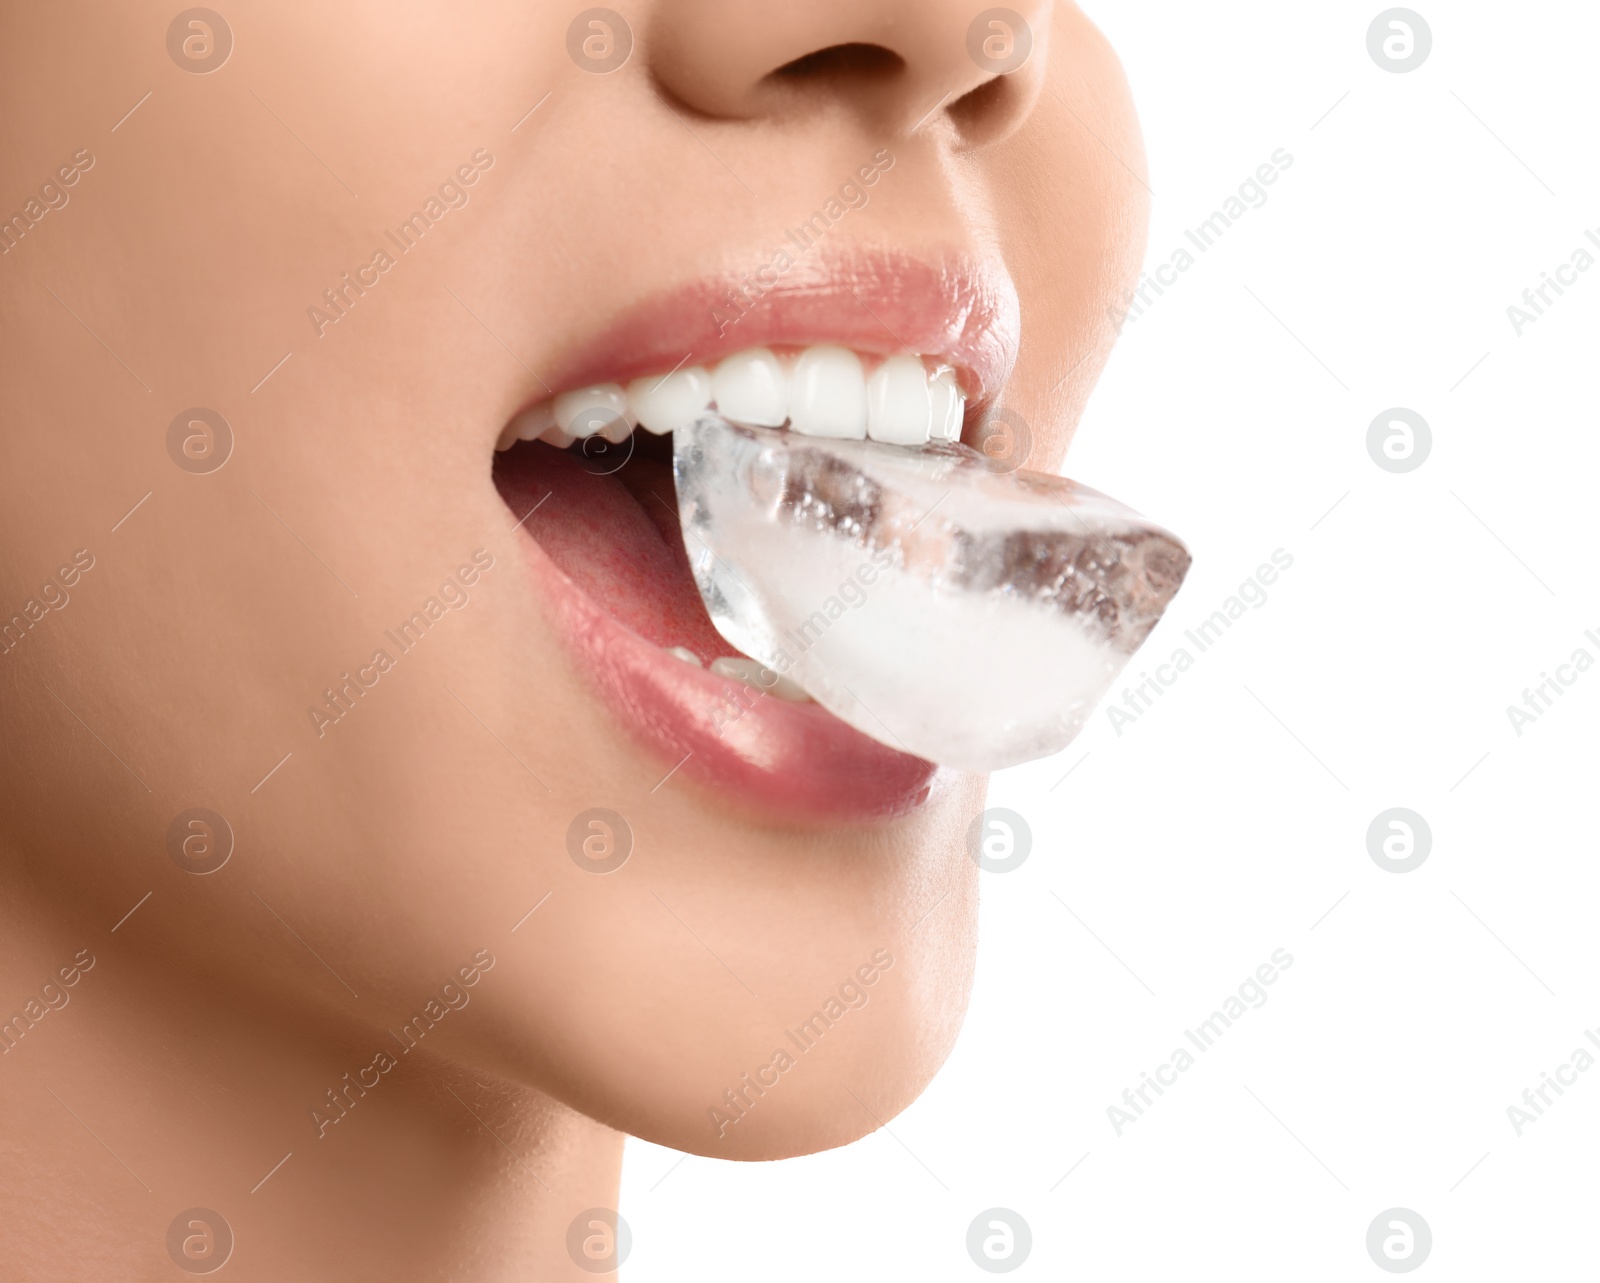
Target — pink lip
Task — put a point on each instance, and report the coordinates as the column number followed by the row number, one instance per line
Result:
column 792, row 760
column 952, row 307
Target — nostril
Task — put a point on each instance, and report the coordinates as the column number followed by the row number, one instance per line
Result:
column 842, row 62
column 973, row 111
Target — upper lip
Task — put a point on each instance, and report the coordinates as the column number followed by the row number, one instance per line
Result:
column 948, row 306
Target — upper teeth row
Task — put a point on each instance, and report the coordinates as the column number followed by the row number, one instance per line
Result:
column 821, row 391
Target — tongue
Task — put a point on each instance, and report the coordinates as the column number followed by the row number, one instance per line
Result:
column 616, row 534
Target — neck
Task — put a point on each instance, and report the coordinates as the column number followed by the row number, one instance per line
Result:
column 132, row 1090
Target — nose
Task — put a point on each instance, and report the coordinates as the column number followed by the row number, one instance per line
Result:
column 895, row 64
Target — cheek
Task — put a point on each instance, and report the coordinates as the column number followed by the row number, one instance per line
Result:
column 1074, row 216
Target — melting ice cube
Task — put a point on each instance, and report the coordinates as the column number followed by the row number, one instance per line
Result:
column 970, row 617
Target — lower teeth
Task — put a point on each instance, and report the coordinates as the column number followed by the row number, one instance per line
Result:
column 753, row 673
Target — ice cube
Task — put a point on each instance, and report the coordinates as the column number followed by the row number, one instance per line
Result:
column 969, row 616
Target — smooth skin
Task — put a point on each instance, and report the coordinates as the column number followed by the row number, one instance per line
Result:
column 378, row 860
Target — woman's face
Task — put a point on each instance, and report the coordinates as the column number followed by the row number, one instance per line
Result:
column 337, row 265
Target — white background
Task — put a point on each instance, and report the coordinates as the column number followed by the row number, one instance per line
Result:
column 1231, row 819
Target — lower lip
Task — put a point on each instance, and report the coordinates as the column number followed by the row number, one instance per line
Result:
column 794, row 761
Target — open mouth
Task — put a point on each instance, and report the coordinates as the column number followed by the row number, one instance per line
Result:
column 587, row 473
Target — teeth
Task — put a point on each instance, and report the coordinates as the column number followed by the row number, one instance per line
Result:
column 948, row 405
column 819, row 391
column 828, row 393
column 899, row 409
column 534, row 422
column 752, row 673
column 752, row 387
column 662, row 404
column 601, row 409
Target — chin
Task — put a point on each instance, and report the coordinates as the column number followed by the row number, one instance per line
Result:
column 777, row 990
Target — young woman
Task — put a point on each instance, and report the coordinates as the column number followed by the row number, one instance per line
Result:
column 380, row 844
